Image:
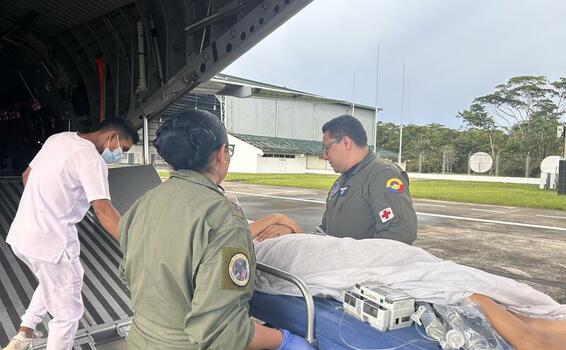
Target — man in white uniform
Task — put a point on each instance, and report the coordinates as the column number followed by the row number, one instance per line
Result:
column 65, row 178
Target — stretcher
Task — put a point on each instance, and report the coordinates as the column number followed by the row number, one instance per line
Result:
column 108, row 310
column 323, row 322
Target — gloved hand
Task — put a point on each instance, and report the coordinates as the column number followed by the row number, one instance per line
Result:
column 293, row 342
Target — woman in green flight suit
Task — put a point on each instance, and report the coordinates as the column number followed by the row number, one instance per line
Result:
column 188, row 254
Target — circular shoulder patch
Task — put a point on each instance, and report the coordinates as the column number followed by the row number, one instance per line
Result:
column 395, row 185
column 239, row 269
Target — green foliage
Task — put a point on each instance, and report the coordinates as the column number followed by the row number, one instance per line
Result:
column 515, row 122
column 524, row 106
column 477, row 117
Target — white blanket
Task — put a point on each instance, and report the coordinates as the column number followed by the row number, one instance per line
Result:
column 330, row 266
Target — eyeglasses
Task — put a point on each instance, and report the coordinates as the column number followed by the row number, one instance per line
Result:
column 326, row 147
column 230, row 148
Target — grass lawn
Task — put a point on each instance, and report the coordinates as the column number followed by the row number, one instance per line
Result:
column 516, row 195
column 314, row 181
column 164, row 174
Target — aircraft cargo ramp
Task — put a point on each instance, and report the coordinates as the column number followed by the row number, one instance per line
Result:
column 108, row 310
column 107, row 305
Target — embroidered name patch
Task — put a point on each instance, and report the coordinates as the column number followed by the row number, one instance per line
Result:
column 335, row 188
column 343, row 190
column 395, row 185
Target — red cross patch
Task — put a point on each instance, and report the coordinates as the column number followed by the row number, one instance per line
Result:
column 386, row 215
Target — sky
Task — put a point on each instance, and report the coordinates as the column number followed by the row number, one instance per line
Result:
column 453, row 51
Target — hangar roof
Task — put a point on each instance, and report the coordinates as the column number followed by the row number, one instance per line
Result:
column 281, row 145
column 224, row 84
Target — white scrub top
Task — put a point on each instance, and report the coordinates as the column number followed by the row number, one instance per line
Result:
column 67, row 174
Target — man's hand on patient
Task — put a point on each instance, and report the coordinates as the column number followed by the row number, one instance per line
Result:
column 273, row 231
column 273, row 225
column 287, row 221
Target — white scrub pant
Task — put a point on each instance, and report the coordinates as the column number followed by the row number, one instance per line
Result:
column 59, row 293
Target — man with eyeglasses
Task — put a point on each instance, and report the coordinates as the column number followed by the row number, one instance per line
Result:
column 371, row 199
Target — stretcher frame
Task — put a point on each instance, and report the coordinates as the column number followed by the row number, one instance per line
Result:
column 309, row 301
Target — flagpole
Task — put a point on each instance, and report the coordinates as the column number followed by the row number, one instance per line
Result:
column 401, row 126
column 354, row 95
column 376, row 104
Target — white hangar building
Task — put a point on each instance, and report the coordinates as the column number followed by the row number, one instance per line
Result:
column 278, row 130
column 275, row 129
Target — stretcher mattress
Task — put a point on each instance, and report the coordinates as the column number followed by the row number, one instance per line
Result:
column 334, row 330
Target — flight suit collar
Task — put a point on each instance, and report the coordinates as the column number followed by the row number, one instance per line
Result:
column 370, row 157
column 343, row 179
column 197, row 178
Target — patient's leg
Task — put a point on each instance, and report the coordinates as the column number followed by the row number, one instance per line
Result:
column 555, row 327
column 520, row 334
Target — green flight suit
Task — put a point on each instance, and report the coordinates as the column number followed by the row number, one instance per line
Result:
column 371, row 200
column 190, row 266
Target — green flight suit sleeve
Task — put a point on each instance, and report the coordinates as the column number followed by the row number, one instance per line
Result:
column 219, row 316
column 392, row 207
column 123, row 227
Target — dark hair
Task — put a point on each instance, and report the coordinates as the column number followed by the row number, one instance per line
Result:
column 188, row 140
column 346, row 125
column 123, row 126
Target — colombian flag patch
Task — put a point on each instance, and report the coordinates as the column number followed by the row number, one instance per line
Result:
column 395, row 185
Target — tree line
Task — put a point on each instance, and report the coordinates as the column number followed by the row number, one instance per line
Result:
column 516, row 125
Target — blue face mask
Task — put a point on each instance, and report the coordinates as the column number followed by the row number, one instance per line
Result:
column 112, row 156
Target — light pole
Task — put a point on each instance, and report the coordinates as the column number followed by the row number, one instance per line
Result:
column 401, row 126
column 354, row 95
column 376, row 102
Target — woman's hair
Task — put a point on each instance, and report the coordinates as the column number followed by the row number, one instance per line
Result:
column 188, row 140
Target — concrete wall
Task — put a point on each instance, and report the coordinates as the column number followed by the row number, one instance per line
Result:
column 282, row 165
column 248, row 159
column 245, row 158
column 317, row 163
column 289, row 119
column 500, row 179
